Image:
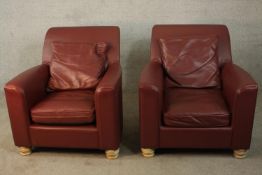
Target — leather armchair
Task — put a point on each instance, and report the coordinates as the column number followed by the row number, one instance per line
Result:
column 238, row 92
column 28, row 89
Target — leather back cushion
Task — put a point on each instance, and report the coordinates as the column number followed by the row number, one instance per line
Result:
column 77, row 65
column 191, row 61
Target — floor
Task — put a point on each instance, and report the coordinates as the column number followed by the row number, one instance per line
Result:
column 175, row 161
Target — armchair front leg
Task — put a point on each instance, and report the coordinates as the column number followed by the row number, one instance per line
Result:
column 240, row 153
column 147, row 152
column 25, row 151
column 112, row 154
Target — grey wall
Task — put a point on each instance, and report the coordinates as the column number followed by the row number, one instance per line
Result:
column 23, row 25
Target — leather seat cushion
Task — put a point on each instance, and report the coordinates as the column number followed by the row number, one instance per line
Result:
column 65, row 107
column 195, row 108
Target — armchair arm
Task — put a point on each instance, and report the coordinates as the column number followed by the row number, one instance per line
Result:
column 240, row 92
column 22, row 93
column 108, row 103
column 150, row 104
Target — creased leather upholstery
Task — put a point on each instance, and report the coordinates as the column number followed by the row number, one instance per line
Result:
column 77, row 65
column 27, row 93
column 191, row 61
column 185, row 107
column 226, row 113
column 65, row 107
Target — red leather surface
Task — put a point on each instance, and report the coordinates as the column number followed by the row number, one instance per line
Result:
column 191, row 61
column 101, row 49
column 172, row 31
column 65, row 107
column 90, row 34
column 240, row 91
column 150, row 104
column 64, row 136
column 219, row 138
column 199, row 108
column 29, row 88
column 76, row 65
column 108, row 102
column 23, row 92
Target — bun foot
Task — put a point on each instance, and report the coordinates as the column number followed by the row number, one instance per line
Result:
column 112, row 154
column 147, row 152
column 240, row 153
column 25, row 151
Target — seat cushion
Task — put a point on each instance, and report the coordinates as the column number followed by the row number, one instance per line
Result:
column 191, row 61
column 187, row 107
column 77, row 65
column 65, row 107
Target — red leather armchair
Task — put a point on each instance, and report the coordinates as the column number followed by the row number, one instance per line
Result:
column 177, row 117
column 28, row 91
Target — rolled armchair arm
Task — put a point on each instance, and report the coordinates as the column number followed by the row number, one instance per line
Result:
column 22, row 93
column 150, row 104
column 108, row 103
column 240, row 92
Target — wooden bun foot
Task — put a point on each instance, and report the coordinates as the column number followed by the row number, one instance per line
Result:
column 240, row 153
column 24, row 151
column 112, row 154
column 147, row 152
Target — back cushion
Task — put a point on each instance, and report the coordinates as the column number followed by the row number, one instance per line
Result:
column 191, row 61
column 77, row 65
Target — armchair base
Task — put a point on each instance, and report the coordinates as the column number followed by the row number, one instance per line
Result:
column 240, row 153
column 112, row 154
column 25, row 151
column 147, row 152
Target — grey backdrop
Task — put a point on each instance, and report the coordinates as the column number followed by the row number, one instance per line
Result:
column 23, row 25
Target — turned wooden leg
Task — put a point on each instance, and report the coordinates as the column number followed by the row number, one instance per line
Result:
column 147, row 152
column 112, row 154
column 24, row 151
column 240, row 153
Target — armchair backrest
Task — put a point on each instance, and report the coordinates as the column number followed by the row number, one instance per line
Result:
column 171, row 31
column 90, row 34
